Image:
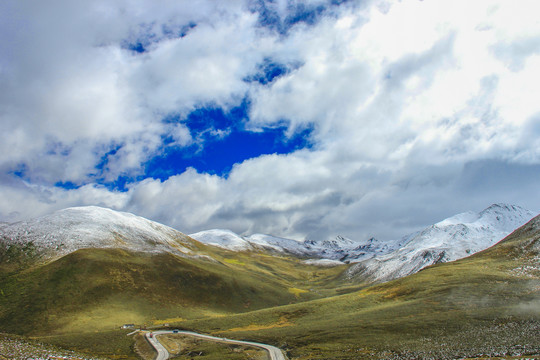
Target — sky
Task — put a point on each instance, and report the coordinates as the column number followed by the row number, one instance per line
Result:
column 296, row 118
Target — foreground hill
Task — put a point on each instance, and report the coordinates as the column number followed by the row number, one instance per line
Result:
column 488, row 303
column 86, row 269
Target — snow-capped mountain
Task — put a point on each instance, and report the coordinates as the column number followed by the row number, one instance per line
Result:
column 451, row 239
column 347, row 250
column 68, row 230
column 328, row 249
column 225, row 239
column 93, row 227
column 229, row 240
column 337, row 249
column 277, row 244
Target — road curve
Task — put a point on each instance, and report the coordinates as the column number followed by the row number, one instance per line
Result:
column 163, row 354
column 275, row 353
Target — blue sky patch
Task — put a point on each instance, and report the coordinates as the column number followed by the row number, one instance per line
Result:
column 20, row 171
column 306, row 14
column 221, row 140
column 68, row 185
column 218, row 155
column 137, row 47
column 105, row 157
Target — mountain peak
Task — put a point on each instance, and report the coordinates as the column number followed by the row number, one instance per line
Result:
column 502, row 207
column 75, row 228
column 450, row 239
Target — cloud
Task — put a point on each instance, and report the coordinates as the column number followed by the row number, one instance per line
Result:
column 36, row 200
column 417, row 110
column 68, row 82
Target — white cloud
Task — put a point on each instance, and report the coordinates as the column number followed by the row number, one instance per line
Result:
column 190, row 198
column 181, row 135
column 409, row 101
column 67, row 81
column 22, row 200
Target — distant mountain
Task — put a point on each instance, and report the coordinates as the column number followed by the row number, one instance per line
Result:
column 229, row 240
column 225, row 239
column 339, row 248
column 451, row 239
column 71, row 229
column 347, row 250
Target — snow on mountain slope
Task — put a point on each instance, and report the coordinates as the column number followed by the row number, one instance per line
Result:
column 339, row 249
column 94, row 227
column 231, row 241
column 222, row 238
column 451, row 239
column 347, row 250
column 323, row 262
column 277, row 244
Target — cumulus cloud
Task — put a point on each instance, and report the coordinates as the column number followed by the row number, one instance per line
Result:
column 72, row 91
column 419, row 110
column 35, row 200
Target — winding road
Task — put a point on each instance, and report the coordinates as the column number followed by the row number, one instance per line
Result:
column 163, row 354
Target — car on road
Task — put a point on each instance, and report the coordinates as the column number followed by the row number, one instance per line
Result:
column 175, row 331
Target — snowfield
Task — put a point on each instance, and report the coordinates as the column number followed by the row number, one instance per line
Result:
column 323, row 262
column 77, row 228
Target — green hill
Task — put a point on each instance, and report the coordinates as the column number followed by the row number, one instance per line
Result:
column 97, row 289
column 488, row 303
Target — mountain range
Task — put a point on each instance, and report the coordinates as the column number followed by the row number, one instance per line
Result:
column 71, row 229
column 450, row 239
column 89, row 267
column 72, row 277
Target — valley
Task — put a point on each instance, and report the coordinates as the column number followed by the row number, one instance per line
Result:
column 73, row 282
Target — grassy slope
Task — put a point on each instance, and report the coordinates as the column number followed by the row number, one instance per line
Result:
column 98, row 289
column 487, row 303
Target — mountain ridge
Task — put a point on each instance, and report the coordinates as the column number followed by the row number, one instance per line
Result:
column 450, row 239
column 71, row 229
